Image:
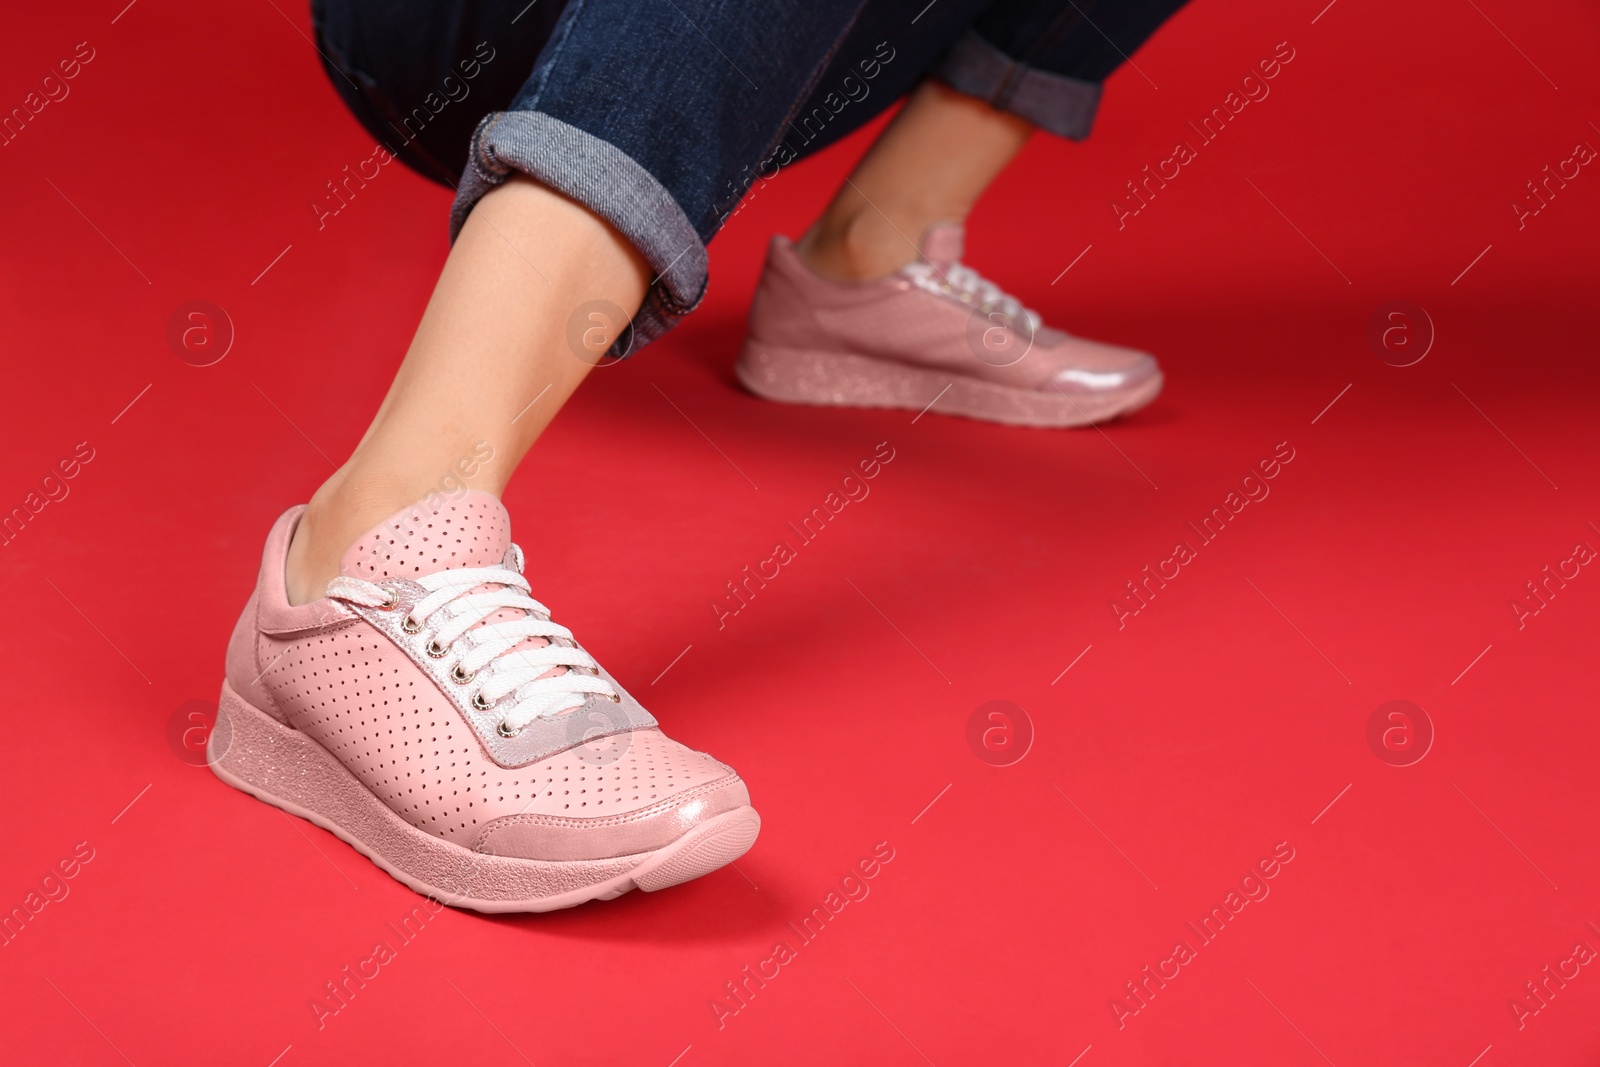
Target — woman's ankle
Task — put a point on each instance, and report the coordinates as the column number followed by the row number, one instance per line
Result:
column 337, row 515
column 862, row 245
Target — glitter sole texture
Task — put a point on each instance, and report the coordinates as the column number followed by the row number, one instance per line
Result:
column 252, row 751
column 808, row 376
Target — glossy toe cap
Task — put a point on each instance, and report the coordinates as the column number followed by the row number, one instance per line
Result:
column 1086, row 367
column 641, row 817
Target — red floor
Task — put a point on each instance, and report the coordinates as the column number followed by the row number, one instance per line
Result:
column 1177, row 753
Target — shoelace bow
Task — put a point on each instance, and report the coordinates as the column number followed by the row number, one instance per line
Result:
column 970, row 287
column 543, row 681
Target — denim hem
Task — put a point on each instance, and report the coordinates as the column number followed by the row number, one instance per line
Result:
column 607, row 181
column 1054, row 102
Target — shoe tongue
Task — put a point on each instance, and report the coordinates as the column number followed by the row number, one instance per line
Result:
column 471, row 529
column 942, row 245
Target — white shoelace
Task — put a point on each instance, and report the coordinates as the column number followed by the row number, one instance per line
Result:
column 970, row 287
column 454, row 613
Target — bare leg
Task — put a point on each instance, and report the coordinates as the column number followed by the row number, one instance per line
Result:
column 929, row 165
column 494, row 336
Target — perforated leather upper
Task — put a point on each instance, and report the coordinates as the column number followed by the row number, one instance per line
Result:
column 474, row 531
column 349, row 686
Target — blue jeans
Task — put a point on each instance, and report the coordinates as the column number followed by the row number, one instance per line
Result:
column 658, row 115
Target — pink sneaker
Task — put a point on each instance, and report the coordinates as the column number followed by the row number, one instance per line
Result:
column 936, row 329
column 430, row 713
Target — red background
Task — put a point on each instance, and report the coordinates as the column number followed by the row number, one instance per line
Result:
column 1222, row 720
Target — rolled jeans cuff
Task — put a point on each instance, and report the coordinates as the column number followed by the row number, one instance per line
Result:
column 1064, row 106
column 608, row 182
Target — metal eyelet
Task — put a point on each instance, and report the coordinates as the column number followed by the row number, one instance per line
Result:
column 505, row 731
column 410, row 625
column 614, row 698
column 435, row 649
column 482, row 704
column 394, row 598
column 461, row 677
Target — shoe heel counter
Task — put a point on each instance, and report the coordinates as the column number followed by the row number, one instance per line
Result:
column 244, row 668
column 780, row 312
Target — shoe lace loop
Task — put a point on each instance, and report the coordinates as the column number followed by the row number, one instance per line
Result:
column 532, row 660
column 970, row 287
